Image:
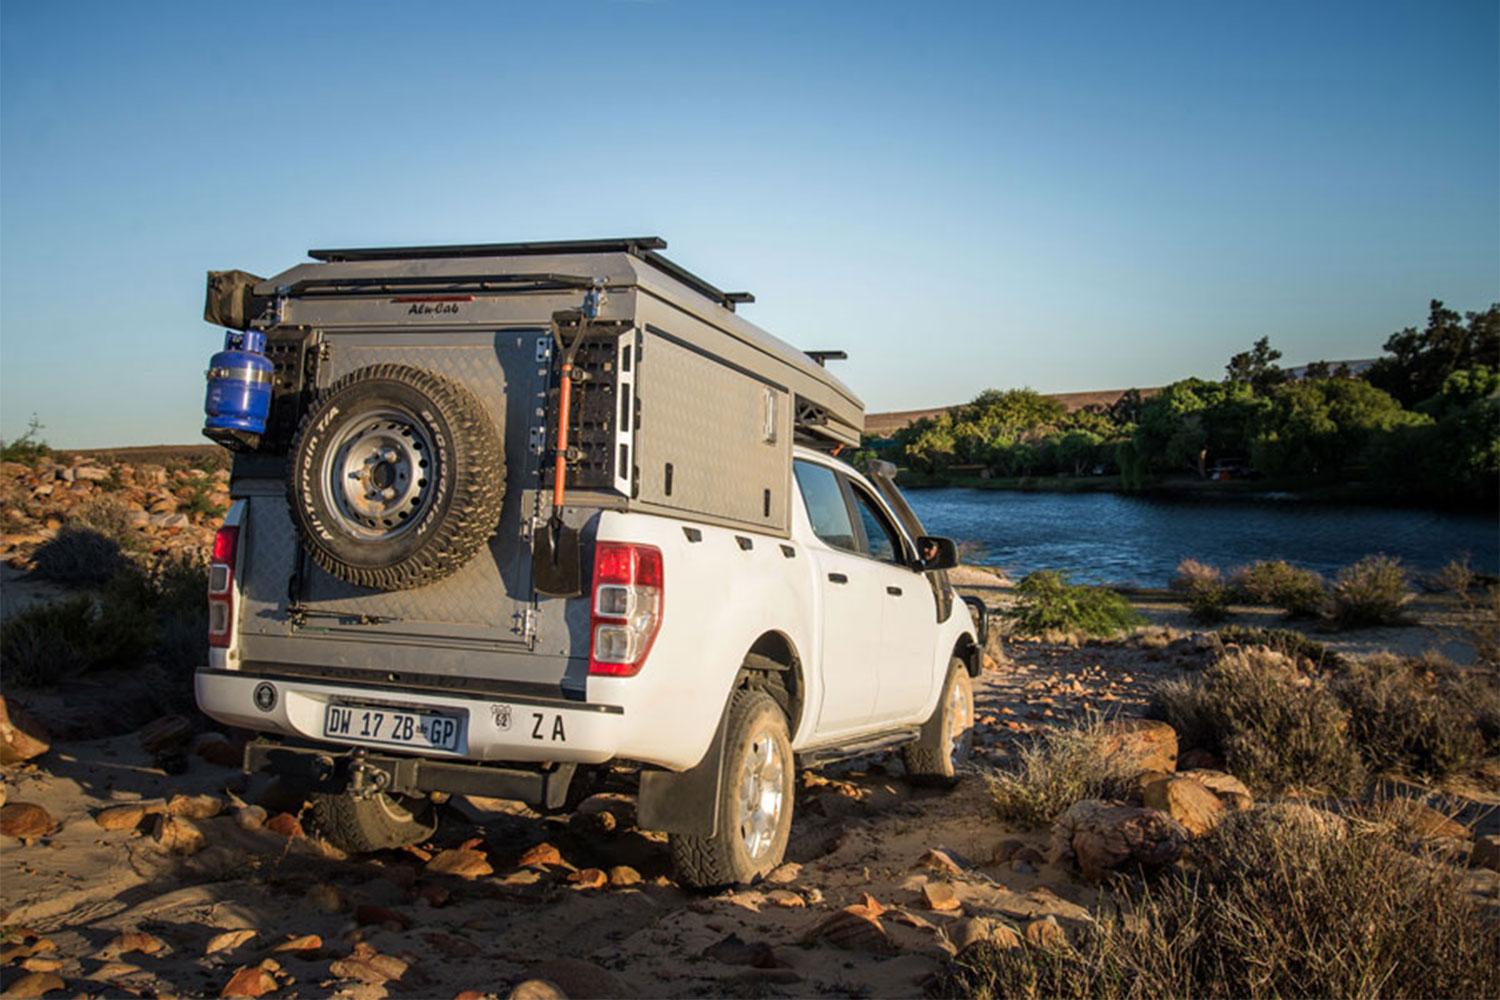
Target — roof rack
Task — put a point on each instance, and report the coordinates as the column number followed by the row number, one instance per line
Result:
column 643, row 247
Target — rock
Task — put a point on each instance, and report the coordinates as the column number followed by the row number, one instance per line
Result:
column 940, row 896
column 589, row 878
column 1198, row 759
column 166, row 733
column 1185, row 800
column 1101, row 835
column 325, row 898
column 621, row 876
column 1045, row 933
column 542, row 854
column 731, row 950
column 177, row 835
column 3, row 794
column 92, row 473
column 250, row 981
column 42, row 964
column 939, row 861
column 25, row 821
column 369, row 966
column 227, row 941
column 217, row 749
column 534, row 989
column 124, row 944
column 1005, row 850
column 969, row 930
column 285, row 824
column 1419, row 819
column 1143, row 744
column 22, row 737
column 126, row 817
column 194, row 806
column 577, row 978
column 374, row 913
column 853, row 929
column 1230, row 790
column 302, row 945
column 784, row 874
column 34, row 984
column 31, row 944
column 250, row 817
column 465, row 863
column 786, row 898
column 1486, row 853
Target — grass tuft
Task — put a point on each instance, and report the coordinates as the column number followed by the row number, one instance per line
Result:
column 1056, row 770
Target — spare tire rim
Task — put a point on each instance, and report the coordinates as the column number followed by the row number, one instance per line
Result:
column 960, row 727
column 762, row 794
column 378, row 472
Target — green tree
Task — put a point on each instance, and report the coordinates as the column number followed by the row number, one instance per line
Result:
column 1420, row 361
column 1256, row 366
column 1079, row 449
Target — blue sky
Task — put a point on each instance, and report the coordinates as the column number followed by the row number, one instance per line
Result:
column 962, row 196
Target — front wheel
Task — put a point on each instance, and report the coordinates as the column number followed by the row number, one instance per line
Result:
column 947, row 737
column 755, row 800
column 374, row 823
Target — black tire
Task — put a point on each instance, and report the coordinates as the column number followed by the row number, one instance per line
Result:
column 376, row 823
column 397, row 476
column 948, row 736
column 757, row 750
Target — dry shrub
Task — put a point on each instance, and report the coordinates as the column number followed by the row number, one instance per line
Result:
column 1191, row 572
column 1208, row 601
column 44, row 643
column 1297, row 591
column 1282, row 903
column 1371, row 592
column 79, row 557
column 107, row 516
column 1273, row 725
column 1056, row 770
column 1413, row 714
column 1285, row 641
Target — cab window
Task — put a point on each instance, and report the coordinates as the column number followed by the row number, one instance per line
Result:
column 884, row 540
column 826, row 509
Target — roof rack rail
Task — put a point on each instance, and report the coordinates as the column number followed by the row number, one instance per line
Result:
column 643, row 247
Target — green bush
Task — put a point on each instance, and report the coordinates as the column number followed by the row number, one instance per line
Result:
column 1047, row 602
column 1275, row 727
column 79, row 557
column 1297, row 591
column 1208, row 601
column 1405, row 716
column 1280, row 903
column 1288, row 642
column 1056, row 770
column 1371, row 592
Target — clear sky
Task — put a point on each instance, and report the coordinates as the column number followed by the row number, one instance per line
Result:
column 1067, row 196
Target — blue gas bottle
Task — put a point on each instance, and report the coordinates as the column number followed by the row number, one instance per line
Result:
column 239, row 384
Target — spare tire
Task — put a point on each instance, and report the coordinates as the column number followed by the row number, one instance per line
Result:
column 396, row 477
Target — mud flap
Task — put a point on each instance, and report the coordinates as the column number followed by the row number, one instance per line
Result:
column 685, row 802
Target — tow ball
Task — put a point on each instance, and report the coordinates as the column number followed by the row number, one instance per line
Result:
column 366, row 780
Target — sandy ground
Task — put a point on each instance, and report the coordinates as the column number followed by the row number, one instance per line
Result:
column 386, row 925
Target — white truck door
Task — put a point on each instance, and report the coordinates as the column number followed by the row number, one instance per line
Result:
column 850, row 599
column 908, row 616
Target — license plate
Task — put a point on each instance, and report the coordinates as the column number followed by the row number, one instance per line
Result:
column 393, row 727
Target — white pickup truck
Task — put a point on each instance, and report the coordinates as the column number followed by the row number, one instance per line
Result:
column 403, row 613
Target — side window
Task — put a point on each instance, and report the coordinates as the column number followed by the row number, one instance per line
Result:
column 885, row 541
column 825, row 505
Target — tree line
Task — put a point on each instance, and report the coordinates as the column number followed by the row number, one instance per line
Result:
column 1422, row 422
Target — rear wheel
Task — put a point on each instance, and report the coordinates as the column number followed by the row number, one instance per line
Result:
column 754, row 806
column 947, row 737
column 374, row 823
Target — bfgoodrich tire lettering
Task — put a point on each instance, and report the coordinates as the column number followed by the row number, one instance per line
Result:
column 397, row 477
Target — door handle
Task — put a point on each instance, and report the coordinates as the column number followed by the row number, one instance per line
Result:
column 893, row 591
column 838, row 578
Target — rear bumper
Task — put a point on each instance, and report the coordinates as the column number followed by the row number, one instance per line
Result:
column 492, row 728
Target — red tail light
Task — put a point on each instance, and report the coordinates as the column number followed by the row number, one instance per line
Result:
column 221, row 588
column 627, row 603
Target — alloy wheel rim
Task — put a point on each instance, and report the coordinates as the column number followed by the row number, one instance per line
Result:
column 762, row 794
column 960, row 727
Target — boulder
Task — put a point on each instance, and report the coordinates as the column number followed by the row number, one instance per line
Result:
column 1141, row 744
column 195, row 806
column 126, row 817
column 1187, row 801
column 25, row 821
column 177, row 835
column 1230, row 790
column 1100, row 835
column 940, row 896
column 21, row 736
column 252, row 981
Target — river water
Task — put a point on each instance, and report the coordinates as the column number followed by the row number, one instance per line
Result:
column 1114, row 538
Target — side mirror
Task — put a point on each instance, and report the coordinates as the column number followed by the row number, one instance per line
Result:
column 936, row 553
